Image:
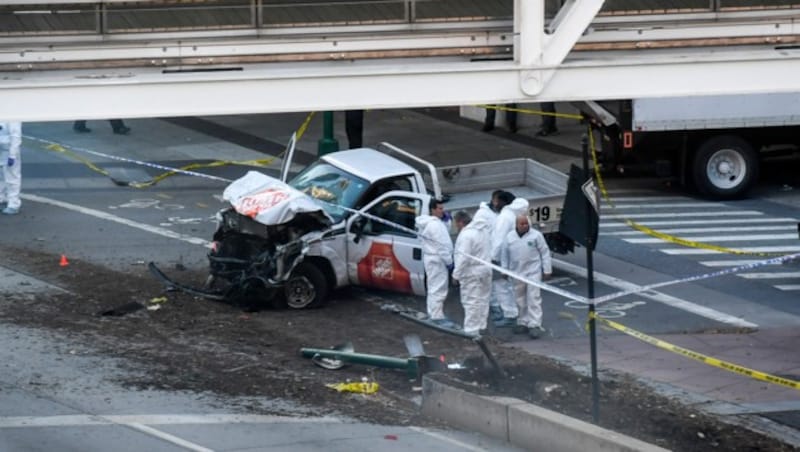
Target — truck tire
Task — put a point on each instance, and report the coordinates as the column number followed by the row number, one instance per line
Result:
column 725, row 167
column 306, row 287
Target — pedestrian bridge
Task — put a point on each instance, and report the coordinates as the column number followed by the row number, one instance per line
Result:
column 142, row 58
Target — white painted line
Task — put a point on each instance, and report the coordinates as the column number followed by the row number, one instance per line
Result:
column 749, row 249
column 107, row 216
column 710, row 229
column 734, row 213
column 788, row 286
column 722, row 238
column 776, row 275
column 733, row 263
column 156, row 419
column 668, row 300
column 169, row 438
column 675, row 205
column 728, row 221
column 447, row 439
column 621, row 199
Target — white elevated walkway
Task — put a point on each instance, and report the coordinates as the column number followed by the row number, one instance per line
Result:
column 409, row 59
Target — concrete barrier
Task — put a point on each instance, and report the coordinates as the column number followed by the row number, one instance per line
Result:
column 520, row 423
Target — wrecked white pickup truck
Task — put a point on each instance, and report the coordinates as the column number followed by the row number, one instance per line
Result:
column 297, row 241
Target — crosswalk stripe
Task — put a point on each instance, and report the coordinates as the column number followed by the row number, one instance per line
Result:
column 788, row 286
column 728, row 221
column 734, row 213
column 664, row 205
column 776, row 275
column 749, row 249
column 720, row 238
column 716, row 229
column 732, row 263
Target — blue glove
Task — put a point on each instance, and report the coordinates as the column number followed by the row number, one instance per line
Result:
column 450, row 268
column 446, row 217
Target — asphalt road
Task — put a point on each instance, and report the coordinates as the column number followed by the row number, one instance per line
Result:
column 69, row 209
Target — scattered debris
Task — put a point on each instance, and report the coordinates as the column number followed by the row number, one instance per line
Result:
column 124, row 309
column 332, row 363
column 363, row 387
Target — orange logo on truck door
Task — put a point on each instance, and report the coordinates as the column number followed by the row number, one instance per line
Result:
column 380, row 268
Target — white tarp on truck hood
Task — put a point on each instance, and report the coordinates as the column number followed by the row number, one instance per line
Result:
column 269, row 201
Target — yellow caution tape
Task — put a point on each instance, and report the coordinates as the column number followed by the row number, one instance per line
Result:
column 652, row 232
column 257, row 163
column 360, row 387
column 532, row 112
column 735, row 368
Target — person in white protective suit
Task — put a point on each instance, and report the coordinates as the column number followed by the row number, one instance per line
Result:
column 525, row 253
column 437, row 257
column 474, row 277
column 500, row 198
column 502, row 288
column 10, row 141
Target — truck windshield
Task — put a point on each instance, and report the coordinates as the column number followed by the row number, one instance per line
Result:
column 331, row 187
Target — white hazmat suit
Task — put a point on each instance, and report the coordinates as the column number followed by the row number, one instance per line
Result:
column 437, row 256
column 475, row 278
column 505, row 223
column 10, row 141
column 527, row 256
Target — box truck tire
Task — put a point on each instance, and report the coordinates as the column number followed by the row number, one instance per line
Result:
column 725, row 167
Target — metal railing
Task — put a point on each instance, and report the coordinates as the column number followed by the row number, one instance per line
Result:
column 82, row 17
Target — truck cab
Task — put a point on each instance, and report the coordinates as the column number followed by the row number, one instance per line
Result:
column 365, row 192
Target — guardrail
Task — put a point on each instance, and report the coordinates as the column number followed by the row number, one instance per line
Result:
column 85, row 17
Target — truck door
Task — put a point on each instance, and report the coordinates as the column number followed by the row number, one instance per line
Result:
column 386, row 257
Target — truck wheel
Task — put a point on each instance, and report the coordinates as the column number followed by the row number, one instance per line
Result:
column 306, row 287
column 725, row 167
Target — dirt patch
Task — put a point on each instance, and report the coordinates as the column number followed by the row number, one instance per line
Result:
column 199, row 345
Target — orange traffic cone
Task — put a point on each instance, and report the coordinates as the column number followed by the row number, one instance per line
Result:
column 64, row 262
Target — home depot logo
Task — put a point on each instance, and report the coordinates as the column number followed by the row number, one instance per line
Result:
column 382, row 267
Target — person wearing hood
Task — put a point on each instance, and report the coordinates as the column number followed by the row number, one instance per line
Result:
column 475, row 277
column 10, row 142
column 437, row 258
column 502, row 288
column 525, row 253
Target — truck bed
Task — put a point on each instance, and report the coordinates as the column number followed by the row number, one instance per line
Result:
column 466, row 186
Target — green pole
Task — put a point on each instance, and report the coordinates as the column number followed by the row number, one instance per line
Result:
column 327, row 143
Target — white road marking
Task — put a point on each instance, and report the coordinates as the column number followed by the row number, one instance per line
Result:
column 712, row 229
column 669, row 300
column 776, row 275
column 721, row 238
column 447, row 439
column 749, row 249
column 107, row 216
column 734, row 213
column 733, row 263
column 788, row 286
column 156, row 419
column 663, row 206
column 727, row 221
column 169, row 438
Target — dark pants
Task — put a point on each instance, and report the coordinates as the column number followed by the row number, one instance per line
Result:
column 116, row 124
column 548, row 122
column 511, row 118
column 354, row 126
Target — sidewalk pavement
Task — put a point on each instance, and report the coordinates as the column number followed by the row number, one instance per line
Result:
column 443, row 137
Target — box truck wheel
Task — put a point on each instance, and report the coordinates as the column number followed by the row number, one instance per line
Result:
column 725, row 167
column 306, row 287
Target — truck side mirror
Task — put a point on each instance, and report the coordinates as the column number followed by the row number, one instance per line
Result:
column 357, row 228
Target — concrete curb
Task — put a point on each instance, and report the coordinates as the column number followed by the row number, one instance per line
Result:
column 520, row 423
